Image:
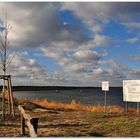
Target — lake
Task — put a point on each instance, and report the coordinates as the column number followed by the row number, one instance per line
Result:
column 94, row 96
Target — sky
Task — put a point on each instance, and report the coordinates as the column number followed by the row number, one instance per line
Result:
column 73, row 43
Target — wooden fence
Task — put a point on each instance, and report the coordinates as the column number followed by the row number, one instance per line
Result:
column 31, row 122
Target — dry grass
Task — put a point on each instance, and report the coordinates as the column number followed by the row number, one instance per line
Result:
column 74, row 120
column 75, row 106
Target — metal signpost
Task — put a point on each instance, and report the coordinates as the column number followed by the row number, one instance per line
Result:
column 126, row 107
column 131, row 92
column 138, row 108
column 105, row 87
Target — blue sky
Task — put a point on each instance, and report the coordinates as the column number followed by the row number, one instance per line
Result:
column 73, row 43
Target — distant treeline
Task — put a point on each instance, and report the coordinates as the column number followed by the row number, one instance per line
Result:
column 34, row 88
column 38, row 88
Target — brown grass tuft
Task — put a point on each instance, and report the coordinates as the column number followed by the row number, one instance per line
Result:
column 76, row 106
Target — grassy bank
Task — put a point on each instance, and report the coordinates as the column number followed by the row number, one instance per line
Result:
column 76, row 106
column 74, row 120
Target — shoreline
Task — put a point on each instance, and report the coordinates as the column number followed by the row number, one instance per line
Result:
column 39, row 88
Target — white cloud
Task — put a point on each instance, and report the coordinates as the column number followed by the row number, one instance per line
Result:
column 88, row 55
column 133, row 40
column 134, row 57
column 104, row 10
column 82, row 60
column 77, row 67
column 24, row 70
column 53, row 52
column 101, row 40
column 132, row 25
column 39, row 25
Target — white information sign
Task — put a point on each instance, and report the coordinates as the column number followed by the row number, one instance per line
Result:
column 131, row 90
column 105, row 85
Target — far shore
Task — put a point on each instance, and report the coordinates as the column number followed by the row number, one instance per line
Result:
column 38, row 88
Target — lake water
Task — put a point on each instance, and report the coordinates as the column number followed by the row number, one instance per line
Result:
column 85, row 97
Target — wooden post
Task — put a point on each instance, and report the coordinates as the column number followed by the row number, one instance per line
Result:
column 7, row 94
column 11, row 96
column 30, row 122
column 3, row 99
column 22, row 125
column 8, row 97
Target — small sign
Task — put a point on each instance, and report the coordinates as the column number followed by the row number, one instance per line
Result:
column 105, row 85
column 131, row 90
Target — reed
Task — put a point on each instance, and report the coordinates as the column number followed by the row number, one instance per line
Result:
column 76, row 106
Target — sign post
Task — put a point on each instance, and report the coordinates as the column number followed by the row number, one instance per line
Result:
column 105, row 87
column 105, row 100
column 137, row 108
column 126, row 107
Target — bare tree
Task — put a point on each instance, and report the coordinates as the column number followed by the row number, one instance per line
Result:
column 6, row 56
column 5, row 52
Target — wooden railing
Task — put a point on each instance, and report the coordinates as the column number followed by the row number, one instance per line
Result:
column 31, row 122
